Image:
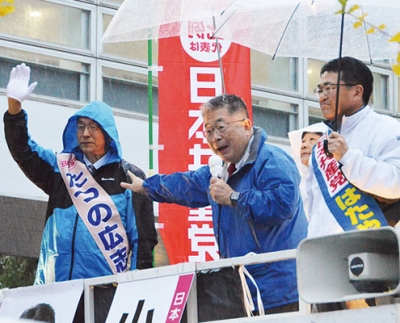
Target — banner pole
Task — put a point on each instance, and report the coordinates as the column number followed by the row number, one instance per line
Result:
column 150, row 102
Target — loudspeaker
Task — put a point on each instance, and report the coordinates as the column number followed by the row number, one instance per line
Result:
column 350, row 265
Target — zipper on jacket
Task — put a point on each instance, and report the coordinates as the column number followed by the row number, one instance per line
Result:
column 71, row 268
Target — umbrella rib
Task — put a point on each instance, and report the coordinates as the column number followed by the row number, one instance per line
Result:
column 284, row 31
column 216, row 30
column 335, row 124
column 366, row 36
column 223, row 11
column 219, row 61
column 221, row 14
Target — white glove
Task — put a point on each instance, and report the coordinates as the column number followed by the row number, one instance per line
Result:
column 18, row 87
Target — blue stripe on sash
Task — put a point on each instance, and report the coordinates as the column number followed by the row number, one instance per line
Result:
column 352, row 209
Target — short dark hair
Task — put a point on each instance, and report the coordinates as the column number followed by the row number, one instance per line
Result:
column 40, row 312
column 352, row 71
column 314, row 132
column 230, row 101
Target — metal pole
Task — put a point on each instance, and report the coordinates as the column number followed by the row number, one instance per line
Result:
column 335, row 123
column 221, row 70
column 150, row 102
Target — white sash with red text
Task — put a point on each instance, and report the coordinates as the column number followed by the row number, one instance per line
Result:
column 352, row 208
column 97, row 210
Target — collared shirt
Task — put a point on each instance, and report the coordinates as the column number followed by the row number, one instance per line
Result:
column 102, row 161
column 240, row 163
column 331, row 123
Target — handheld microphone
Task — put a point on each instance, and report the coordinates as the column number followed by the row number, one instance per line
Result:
column 215, row 163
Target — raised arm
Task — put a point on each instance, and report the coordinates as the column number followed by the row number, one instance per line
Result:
column 18, row 88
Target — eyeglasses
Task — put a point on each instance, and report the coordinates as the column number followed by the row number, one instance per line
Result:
column 327, row 88
column 220, row 127
column 91, row 127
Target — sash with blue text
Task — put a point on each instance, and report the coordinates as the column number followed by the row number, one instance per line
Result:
column 352, row 208
column 97, row 210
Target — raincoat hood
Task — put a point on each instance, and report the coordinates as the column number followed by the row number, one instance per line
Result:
column 102, row 114
column 295, row 138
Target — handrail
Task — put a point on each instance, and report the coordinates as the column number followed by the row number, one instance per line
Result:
column 183, row 268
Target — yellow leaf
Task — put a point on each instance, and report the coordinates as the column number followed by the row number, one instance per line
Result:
column 339, row 12
column 396, row 69
column 363, row 16
column 5, row 10
column 357, row 24
column 370, row 30
column 354, row 8
column 381, row 26
column 395, row 38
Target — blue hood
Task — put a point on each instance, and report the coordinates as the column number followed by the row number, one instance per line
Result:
column 102, row 114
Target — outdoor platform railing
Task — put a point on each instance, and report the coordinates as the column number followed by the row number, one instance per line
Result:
column 387, row 310
column 185, row 268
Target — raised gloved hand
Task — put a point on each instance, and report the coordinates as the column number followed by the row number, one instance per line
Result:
column 18, row 87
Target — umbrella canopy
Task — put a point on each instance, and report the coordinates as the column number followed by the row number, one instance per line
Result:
column 292, row 28
column 313, row 29
column 143, row 19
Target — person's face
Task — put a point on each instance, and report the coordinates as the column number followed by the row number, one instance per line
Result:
column 90, row 139
column 227, row 135
column 349, row 97
column 307, row 143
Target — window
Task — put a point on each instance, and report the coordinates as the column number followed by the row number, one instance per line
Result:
column 313, row 75
column 314, row 115
column 44, row 21
column 281, row 73
column 137, row 51
column 56, row 77
column 379, row 98
column 112, row 2
column 128, row 90
column 276, row 117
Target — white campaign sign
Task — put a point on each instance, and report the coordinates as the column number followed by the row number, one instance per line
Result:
column 61, row 298
column 197, row 41
column 159, row 300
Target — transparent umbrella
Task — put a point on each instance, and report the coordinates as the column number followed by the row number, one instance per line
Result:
column 292, row 28
column 153, row 19
column 320, row 29
column 314, row 29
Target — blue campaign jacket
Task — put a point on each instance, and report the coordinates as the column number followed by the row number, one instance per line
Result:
column 68, row 250
column 269, row 215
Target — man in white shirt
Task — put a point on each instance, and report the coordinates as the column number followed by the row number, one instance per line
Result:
column 366, row 147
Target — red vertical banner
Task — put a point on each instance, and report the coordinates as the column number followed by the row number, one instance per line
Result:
column 191, row 75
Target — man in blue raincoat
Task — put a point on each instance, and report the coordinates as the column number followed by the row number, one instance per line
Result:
column 256, row 209
column 93, row 226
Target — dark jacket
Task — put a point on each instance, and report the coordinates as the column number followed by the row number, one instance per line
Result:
column 68, row 250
